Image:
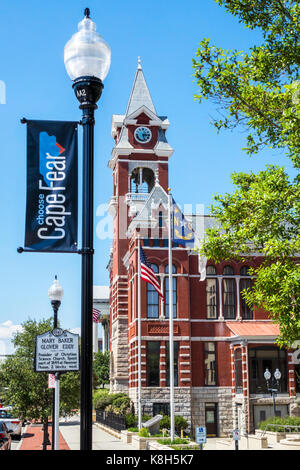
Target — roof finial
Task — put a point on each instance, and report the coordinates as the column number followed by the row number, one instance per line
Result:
column 139, row 63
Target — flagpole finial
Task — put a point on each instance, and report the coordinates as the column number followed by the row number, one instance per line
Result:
column 169, row 190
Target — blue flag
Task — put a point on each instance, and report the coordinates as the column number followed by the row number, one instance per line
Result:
column 183, row 232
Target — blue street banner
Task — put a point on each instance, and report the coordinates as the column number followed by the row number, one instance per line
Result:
column 52, row 186
column 183, row 232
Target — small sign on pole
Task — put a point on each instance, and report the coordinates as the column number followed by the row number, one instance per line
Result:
column 236, row 436
column 200, row 435
column 51, row 381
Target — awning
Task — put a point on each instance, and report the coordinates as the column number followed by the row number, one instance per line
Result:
column 254, row 330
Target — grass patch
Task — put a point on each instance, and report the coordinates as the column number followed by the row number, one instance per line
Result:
column 168, row 441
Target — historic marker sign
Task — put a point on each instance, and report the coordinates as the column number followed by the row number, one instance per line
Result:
column 57, row 351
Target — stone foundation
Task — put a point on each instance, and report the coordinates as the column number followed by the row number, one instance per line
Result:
column 220, row 395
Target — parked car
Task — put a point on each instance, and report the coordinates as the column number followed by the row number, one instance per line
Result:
column 5, row 437
column 14, row 425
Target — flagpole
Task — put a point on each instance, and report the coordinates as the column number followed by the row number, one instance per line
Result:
column 95, row 340
column 171, row 345
column 139, row 336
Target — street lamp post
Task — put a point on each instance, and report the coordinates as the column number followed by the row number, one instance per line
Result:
column 273, row 386
column 55, row 294
column 87, row 61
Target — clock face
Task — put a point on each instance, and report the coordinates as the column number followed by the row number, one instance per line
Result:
column 143, row 134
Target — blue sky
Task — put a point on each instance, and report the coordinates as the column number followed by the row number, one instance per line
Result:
column 165, row 34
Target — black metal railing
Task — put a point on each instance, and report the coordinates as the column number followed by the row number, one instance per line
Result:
column 112, row 420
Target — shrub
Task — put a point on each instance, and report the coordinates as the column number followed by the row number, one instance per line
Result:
column 117, row 403
column 101, row 399
column 133, row 429
column 120, row 405
column 276, row 424
column 165, row 422
column 146, row 418
column 178, row 440
column 180, row 423
column 131, row 420
column 144, row 432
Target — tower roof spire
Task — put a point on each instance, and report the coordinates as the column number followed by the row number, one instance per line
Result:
column 140, row 95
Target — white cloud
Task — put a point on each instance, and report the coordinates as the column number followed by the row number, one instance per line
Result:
column 7, row 330
column 76, row 331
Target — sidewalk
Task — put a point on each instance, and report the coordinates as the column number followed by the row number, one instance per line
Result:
column 32, row 439
column 69, row 437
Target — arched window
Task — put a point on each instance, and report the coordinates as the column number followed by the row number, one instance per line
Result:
column 228, row 271
column 211, row 297
column 229, row 295
column 152, row 298
column 174, row 283
column 211, row 292
column 160, row 219
column 245, row 283
column 174, row 269
column 244, row 271
column 211, row 270
column 141, row 180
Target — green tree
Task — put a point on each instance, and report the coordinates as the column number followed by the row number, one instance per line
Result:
column 28, row 390
column 101, row 368
column 260, row 90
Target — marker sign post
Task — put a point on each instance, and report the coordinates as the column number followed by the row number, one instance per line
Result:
column 200, row 434
column 236, row 436
column 57, row 351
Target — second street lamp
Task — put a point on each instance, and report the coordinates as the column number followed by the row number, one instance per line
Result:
column 273, row 387
column 55, row 294
column 87, row 61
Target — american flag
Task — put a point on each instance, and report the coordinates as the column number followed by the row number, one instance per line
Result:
column 148, row 275
column 96, row 314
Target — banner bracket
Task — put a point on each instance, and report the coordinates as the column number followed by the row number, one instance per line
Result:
column 20, row 249
column 86, row 251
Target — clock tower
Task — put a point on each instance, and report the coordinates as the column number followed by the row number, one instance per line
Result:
column 139, row 160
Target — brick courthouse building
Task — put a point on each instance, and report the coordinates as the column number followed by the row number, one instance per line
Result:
column 221, row 347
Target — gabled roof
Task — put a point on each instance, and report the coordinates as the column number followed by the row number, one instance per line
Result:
column 157, row 197
column 140, row 95
column 140, row 102
column 254, row 331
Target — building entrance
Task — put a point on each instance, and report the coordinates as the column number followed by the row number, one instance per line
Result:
column 211, row 419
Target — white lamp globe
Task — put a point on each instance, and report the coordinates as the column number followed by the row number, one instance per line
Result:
column 86, row 54
column 267, row 374
column 55, row 292
column 277, row 374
